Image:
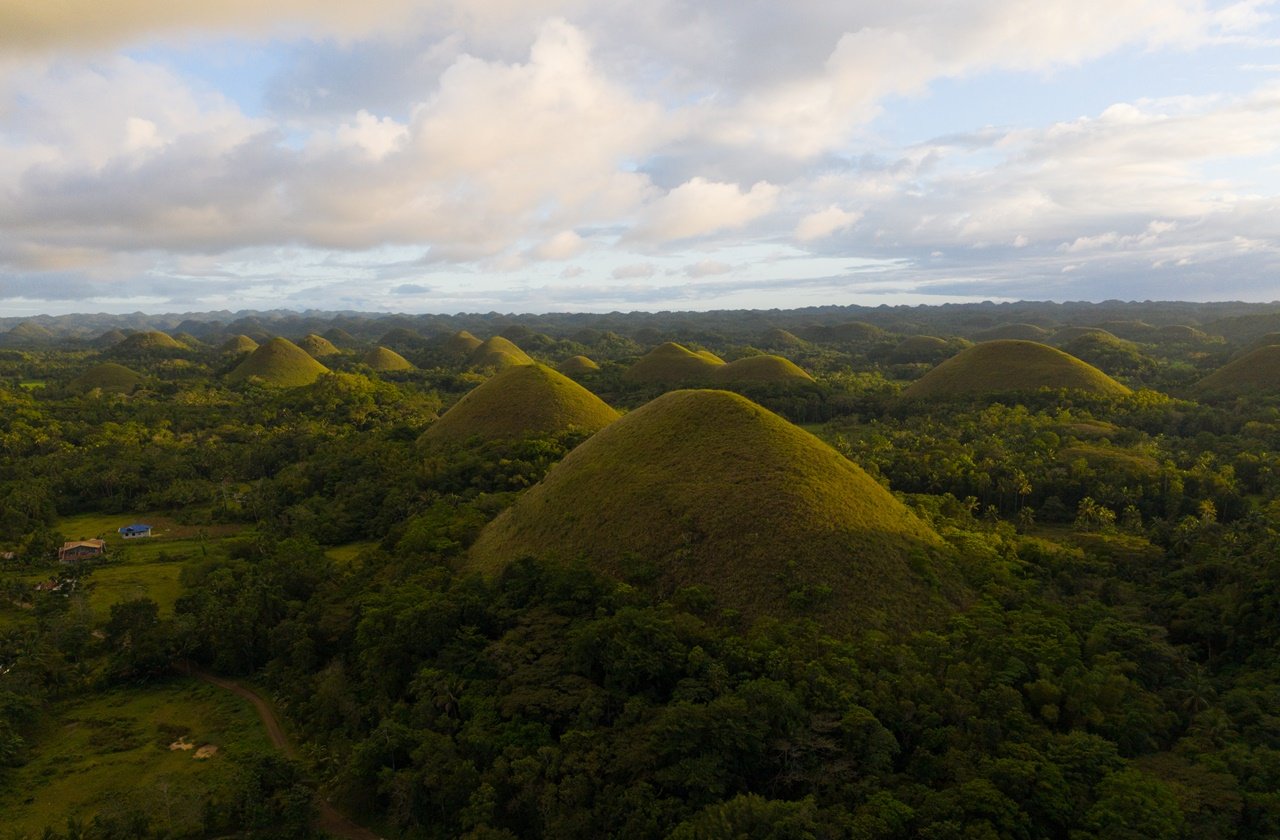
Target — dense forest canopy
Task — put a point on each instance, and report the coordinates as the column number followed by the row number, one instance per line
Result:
column 1096, row 574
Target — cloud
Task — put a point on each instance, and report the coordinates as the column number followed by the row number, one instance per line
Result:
column 562, row 246
column 824, row 223
column 699, row 207
column 631, row 272
column 707, row 268
column 412, row 289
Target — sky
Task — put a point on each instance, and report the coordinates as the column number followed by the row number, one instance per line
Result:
column 573, row 155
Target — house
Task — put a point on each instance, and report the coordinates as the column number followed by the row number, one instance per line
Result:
column 77, row 550
column 136, row 530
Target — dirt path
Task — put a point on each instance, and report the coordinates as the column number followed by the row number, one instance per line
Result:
column 328, row 819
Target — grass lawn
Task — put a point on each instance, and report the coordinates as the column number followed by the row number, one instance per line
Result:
column 343, row 554
column 31, row 384
column 95, row 753
column 110, row 584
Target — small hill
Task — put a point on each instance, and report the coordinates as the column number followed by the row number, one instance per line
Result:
column 1110, row 354
column 109, row 338
column 498, row 352
column 188, row 340
column 780, row 339
column 521, row 401
column 1132, row 330
column 672, row 363
column 710, row 357
column 279, row 364
column 1018, row 332
column 1183, row 334
column 853, row 331
column 317, row 346
column 340, row 337
column 401, row 338
column 761, row 369
column 151, row 341
column 1000, row 366
column 108, row 376
column 1066, row 335
column 238, row 344
column 380, row 358
column 922, row 348
column 577, row 366
column 517, row 332
column 1256, row 372
column 708, row 489
column 461, row 342
column 27, row 334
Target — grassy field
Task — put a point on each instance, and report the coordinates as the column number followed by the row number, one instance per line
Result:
column 342, row 554
column 97, row 752
column 31, row 384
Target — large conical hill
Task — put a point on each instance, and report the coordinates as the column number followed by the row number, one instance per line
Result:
column 994, row 367
column 382, row 359
column 279, row 363
column 706, row 488
column 498, row 352
column 108, row 376
column 1257, row 371
column 672, row 363
column 521, row 401
column 763, row 368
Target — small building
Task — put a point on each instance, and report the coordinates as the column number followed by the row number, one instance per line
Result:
column 77, row 550
column 130, row 532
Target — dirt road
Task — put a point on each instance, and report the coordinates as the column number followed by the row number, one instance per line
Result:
column 328, row 819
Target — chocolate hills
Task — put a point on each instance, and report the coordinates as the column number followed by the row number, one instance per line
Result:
column 317, row 346
column 1257, row 371
column 498, row 352
column 149, row 342
column 279, row 364
column 108, row 376
column 238, row 344
column 520, row 401
column 382, row 359
column 923, row 348
column 461, row 342
column 761, row 369
column 1010, row 365
column 577, row 366
column 1018, row 332
column 672, row 363
column 706, row 488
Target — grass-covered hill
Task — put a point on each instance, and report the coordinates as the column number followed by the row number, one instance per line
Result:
column 705, row 488
column 280, row 364
column 1257, row 371
column 498, row 352
column 780, row 339
column 151, row 341
column 521, row 401
column 317, row 346
column 340, row 337
column 853, row 331
column 461, row 342
column 108, row 376
column 922, row 348
column 1110, row 354
column 577, row 366
column 380, row 358
column 1002, row 366
column 1065, row 335
column 1018, row 332
column 672, row 363
column 238, row 344
column 27, row 334
column 109, row 338
column 761, row 369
